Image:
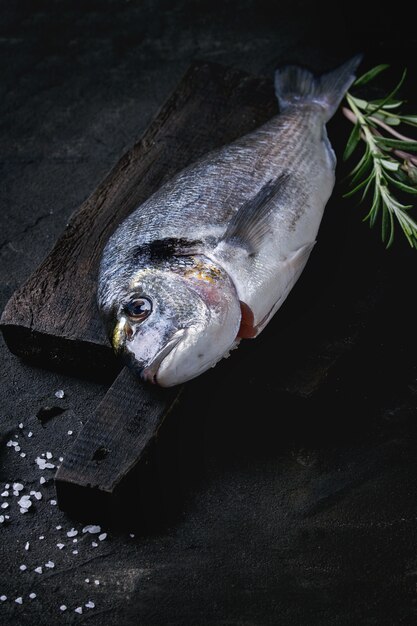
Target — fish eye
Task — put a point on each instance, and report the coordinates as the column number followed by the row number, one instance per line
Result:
column 138, row 308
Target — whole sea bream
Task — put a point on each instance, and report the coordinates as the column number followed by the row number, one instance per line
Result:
column 210, row 257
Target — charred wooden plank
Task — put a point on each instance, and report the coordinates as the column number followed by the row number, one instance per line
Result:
column 115, row 439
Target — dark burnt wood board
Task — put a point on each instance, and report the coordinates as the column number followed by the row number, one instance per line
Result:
column 52, row 318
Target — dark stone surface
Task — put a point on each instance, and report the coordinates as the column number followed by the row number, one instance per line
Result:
column 283, row 489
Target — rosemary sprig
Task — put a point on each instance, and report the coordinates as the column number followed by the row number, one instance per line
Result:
column 388, row 166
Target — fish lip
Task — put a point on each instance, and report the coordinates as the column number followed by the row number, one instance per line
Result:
column 149, row 372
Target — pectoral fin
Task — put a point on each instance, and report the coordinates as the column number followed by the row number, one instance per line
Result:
column 251, row 222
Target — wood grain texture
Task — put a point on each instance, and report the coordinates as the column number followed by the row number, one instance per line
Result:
column 117, row 436
column 53, row 316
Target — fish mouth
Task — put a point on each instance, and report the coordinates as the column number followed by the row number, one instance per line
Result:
column 150, row 372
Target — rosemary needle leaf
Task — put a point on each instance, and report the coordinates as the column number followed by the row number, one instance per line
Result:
column 353, row 141
column 365, row 78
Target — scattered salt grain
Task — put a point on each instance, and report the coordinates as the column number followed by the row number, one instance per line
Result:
column 42, row 480
column 27, row 544
column 79, row 609
column 19, row 600
column 5, row 494
column 102, row 536
column 94, row 544
column 7, row 486
column 23, row 510
column 21, row 425
column 10, row 443
column 49, row 455
column 50, row 564
column 3, row 598
column 70, row 432
column 90, row 605
column 14, row 443
column 17, row 486
column 87, row 580
column 23, row 568
column 24, row 502
column 30, row 434
column 32, row 596
column 132, row 535
column 75, row 551
column 23, row 454
column 92, row 528
column 41, row 537
column 61, row 458
column 43, row 464
column 62, row 607
column 60, row 393
column 1, row 519
column 58, row 527
column 60, row 545
column 5, row 505
column 75, row 540
column 52, row 502
column 96, row 582
column 38, row 570
column 72, row 532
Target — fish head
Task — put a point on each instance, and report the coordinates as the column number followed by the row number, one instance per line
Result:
column 173, row 323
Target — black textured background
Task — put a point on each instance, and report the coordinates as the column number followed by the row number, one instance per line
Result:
column 295, row 483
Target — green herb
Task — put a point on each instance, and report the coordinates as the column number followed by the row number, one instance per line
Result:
column 387, row 169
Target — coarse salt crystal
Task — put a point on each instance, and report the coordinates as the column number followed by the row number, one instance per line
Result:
column 50, row 564
column 96, row 582
column 87, row 580
column 19, row 600
column 62, row 607
column 5, row 505
column 58, row 527
column 17, row 486
column 94, row 544
column 92, row 528
column 3, row 598
column 23, row 454
column 49, row 455
column 72, row 532
column 41, row 537
column 61, row 458
column 75, row 540
column 132, row 535
column 60, row 393
column 23, row 568
column 42, row 464
column 25, row 502
column 14, row 443
column 17, row 448
column 27, row 544
column 30, row 434
column 79, row 609
column 7, row 486
column 52, row 502
column 102, row 536
column 60, row 545
column 75, row 551
column 1, row 519
column 38, row 495
column 70, row 432
column 32, row 596
column 90, row 604
column 42, row 480
column 5, row 494
column 21, row 425
column 23, row 510
column 38, row 570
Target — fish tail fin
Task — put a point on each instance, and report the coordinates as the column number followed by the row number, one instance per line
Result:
column 295, row 85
